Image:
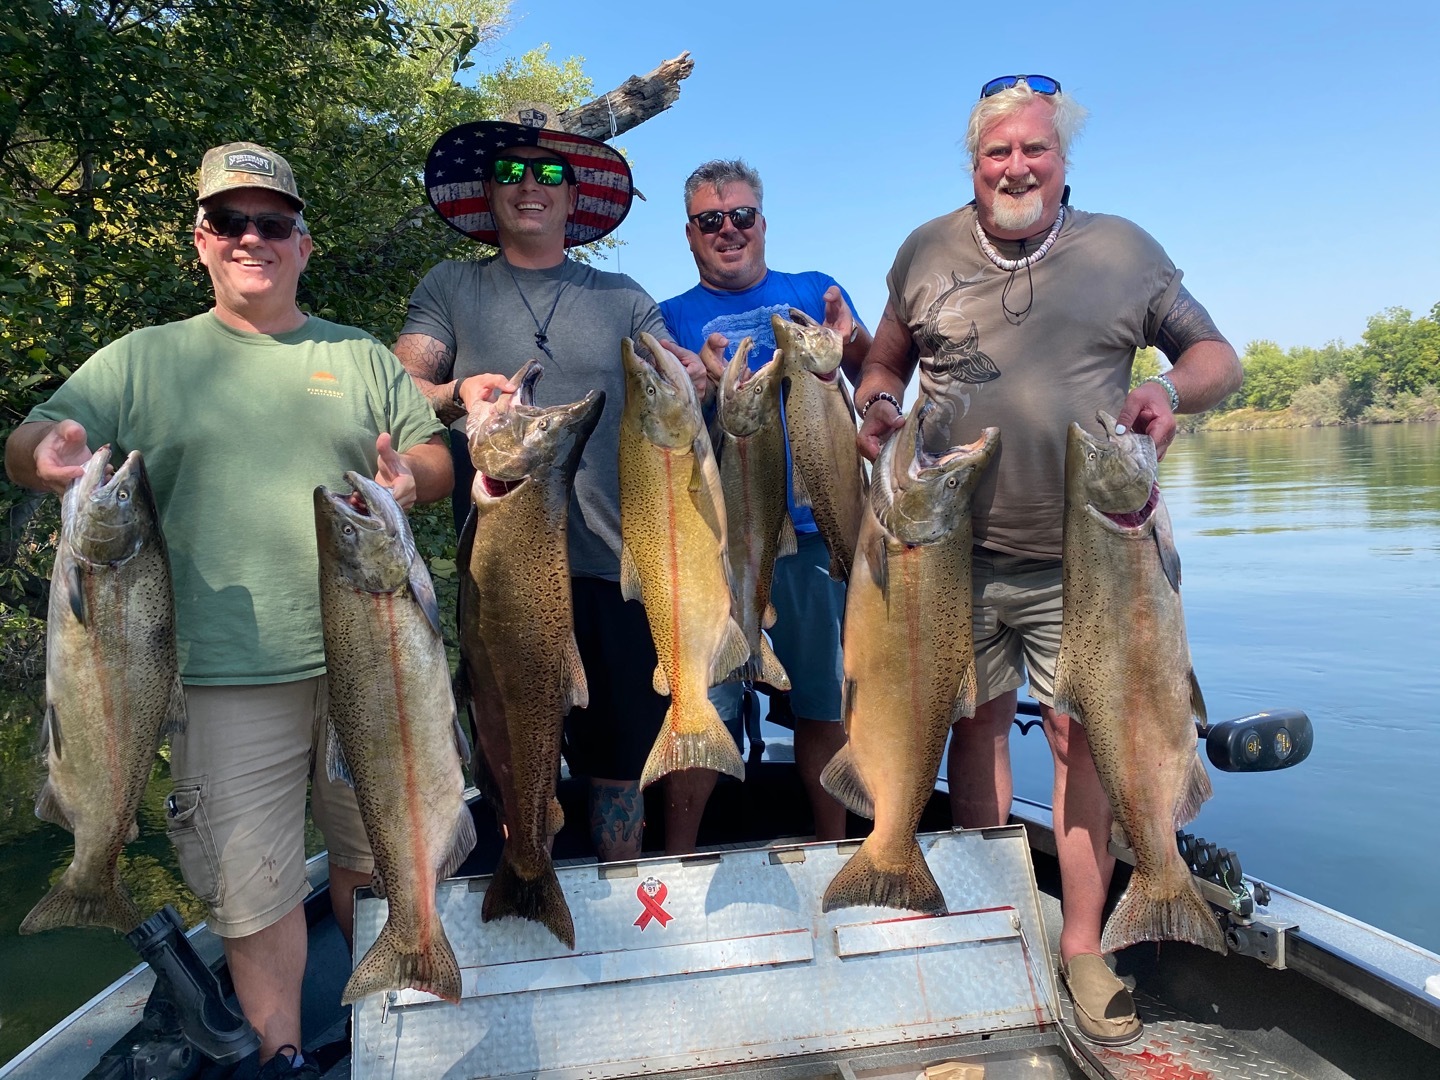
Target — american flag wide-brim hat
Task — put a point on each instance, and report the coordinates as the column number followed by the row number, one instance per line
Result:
column 455, row 171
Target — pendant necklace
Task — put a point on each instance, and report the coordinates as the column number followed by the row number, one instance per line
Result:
column 542, row 339
column 1025, row 262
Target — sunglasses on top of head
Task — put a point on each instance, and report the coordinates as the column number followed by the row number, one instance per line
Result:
column 712, row 221
column 232, row 224
column 548, row 172
column 1041, row 84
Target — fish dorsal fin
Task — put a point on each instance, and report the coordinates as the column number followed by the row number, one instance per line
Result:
column 629, row 575
column 659, row 683
column 734, row 652
column 1164, row 534
column 423, row 589
column 573, row 683
column 788, row 545
column 75, row 588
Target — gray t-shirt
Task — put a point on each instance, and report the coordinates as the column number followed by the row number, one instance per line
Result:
column 1098, row 295
column 478, row 311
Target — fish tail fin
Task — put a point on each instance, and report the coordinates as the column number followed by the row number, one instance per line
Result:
column 843, row 781
column 1197, row 791
column 1162, row 907
column 62, row 906
column 541, row 900
column 712, row 747
column 388, row 965
column 861, row 883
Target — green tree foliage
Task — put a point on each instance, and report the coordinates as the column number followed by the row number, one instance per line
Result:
column 106, row 108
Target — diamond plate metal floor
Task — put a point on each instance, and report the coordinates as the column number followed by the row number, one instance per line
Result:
column 1174, row 1047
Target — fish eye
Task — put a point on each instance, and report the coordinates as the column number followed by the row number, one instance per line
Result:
column 544, row 424
column 348, row 529
column 951, row 482
column 650, row 390
column 1091, row 456
column 123, row 495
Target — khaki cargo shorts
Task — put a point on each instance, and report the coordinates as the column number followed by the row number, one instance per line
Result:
column 1016, row 619
column 237, row 811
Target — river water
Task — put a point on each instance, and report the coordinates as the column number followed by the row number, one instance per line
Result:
column 1311, row 580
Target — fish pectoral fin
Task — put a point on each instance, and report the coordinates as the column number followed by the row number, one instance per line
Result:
column 1164, row 534
column 629, row 576
column 50, row 731
column 1197, row 700
column 877, row 557
column 336, row 767
column 841, row 778
column 76, row 592
column 705, row 490
column 771, row 670
column 789, row 545
column 423, row 589
column 1197, row 792
column 659, row 683
column 177, row 717
column 734, row 652
column 573, row 682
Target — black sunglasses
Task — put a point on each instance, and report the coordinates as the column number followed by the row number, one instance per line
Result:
column 712, row 221
column 232, row 223
column 1041, row 84
column 548, row 172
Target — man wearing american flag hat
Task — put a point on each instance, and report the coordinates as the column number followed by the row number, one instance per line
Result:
column 534, row 191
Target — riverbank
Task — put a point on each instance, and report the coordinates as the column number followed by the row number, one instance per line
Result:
column 1265, row 419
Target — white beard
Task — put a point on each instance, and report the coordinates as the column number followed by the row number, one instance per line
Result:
column 1013, row 214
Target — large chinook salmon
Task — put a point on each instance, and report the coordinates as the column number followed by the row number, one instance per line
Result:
column 757, row 519
column 392, row 730
column 1124, row 672
column 672, row 559
column 112, row 686
column 909, row 657
column 820, row 422
column 519, row 661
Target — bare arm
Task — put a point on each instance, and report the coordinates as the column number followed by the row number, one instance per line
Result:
column 889, row 363
column 1205, row 372
column 429, row 363
column 46, row 455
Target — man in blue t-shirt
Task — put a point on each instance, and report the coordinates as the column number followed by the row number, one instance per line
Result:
column 735, row 298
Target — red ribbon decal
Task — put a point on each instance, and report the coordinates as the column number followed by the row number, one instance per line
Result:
column 651, row 893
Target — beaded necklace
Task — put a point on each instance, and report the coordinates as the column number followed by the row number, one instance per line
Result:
column 1016, row 316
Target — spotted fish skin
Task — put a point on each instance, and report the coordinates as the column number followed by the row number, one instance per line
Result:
column 909, row 658
column 519, row 661
column 112, row 686
column 1124, row 672
column 392, row 730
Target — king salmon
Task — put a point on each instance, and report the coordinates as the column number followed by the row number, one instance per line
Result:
column 519, row 661
column 112, row 686
column 1124, row 672
column 392, row 730
column 672, row 559
column 909, row 657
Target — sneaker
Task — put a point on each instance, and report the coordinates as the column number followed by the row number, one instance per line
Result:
column 1104, row 1009
column 282, row 1066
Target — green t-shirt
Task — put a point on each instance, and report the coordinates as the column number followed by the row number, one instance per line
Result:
column 237, row 430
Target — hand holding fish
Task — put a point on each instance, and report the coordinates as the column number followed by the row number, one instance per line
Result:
column 484, row 393
column 697, row 369
column 881, row 420
column 392, row 472
column 712, row 355
column 61, row 455
column 1147, row 412
column 838, row 316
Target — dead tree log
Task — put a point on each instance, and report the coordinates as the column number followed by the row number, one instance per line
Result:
column 631, row 103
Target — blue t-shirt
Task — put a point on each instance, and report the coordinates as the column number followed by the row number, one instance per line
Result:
column 693, row 316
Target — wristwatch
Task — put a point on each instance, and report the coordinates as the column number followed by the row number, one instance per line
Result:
column 455, row 394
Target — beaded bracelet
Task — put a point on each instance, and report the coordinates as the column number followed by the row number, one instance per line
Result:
column 882, row 396
column 1164, row 380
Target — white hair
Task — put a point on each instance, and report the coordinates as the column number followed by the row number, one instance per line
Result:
column 1069, row 117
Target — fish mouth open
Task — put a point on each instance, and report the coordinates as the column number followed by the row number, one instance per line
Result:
column 1133, row 519
column 496, row 488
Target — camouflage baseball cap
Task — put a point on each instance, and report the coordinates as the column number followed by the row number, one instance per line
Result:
column 246, row 165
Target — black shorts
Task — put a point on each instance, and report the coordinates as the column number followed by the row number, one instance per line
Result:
column 612, row 738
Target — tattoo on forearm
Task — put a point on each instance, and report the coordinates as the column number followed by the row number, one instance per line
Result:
column 1187, row 324
column 430, row 362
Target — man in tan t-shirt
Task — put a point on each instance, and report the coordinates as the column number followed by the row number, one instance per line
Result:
column 1026, row 314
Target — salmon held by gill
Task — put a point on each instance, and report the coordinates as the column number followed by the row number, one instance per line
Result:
column 820, row 420
column 519, row 661
column 909, row 657
column 112, row 686
column 392, row 730
column 1124, row 672
column 672, row 558
column 757, row 520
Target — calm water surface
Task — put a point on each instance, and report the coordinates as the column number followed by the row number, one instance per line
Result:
column 1311, row 578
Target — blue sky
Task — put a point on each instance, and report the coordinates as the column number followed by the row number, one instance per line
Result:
column 1284, row 154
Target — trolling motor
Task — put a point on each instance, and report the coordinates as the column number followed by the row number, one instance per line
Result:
column 186, row 1024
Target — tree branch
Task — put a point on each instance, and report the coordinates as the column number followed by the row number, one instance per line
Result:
column 631, row 103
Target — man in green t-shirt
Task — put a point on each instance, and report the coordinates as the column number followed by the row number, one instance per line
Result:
column 241, row 412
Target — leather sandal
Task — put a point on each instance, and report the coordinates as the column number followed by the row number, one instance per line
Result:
column 1104, row 1009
